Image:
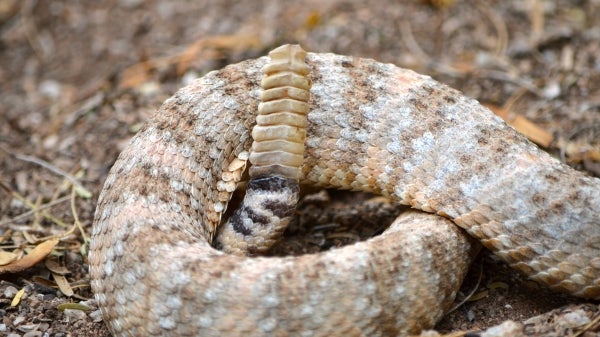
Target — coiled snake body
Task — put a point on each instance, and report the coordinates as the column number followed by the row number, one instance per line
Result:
column 371, row 127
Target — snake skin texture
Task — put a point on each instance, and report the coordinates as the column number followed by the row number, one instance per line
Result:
column 371, row 127
column 276, row 157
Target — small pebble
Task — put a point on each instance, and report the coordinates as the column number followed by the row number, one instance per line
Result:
column 470, row 316
column 18, row 320
column 96, row 316
column 74, row 315
column 50, row 89
column 551, row 91
column 27, row 327
column 10, row 292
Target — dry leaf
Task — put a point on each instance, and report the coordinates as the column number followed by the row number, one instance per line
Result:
column 73, row 306
column 43, row 282
column 312, row 20
column 7, row 257
column 17, row 299
column 54, row 265
column 215, row 46
column 135, row 75
column 533, row 132
column 63, row 285
column 82, row 192
column 478, row 296
column 6, row 235
column 36, row 255
column 31, row 239
column 205, row 48
column 440, row 4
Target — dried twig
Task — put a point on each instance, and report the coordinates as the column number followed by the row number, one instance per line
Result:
column 32, row 206
column 499, row 26
column 33, row 210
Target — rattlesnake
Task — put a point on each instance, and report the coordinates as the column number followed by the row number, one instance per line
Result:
column 372, row 127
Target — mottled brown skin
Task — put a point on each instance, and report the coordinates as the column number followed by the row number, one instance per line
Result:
column 372, row 127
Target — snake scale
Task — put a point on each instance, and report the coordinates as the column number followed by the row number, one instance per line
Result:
column 371, row 127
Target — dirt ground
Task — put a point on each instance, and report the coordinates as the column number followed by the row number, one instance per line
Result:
column 78, row 78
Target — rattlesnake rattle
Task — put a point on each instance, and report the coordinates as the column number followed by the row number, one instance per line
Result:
column 371, row 127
